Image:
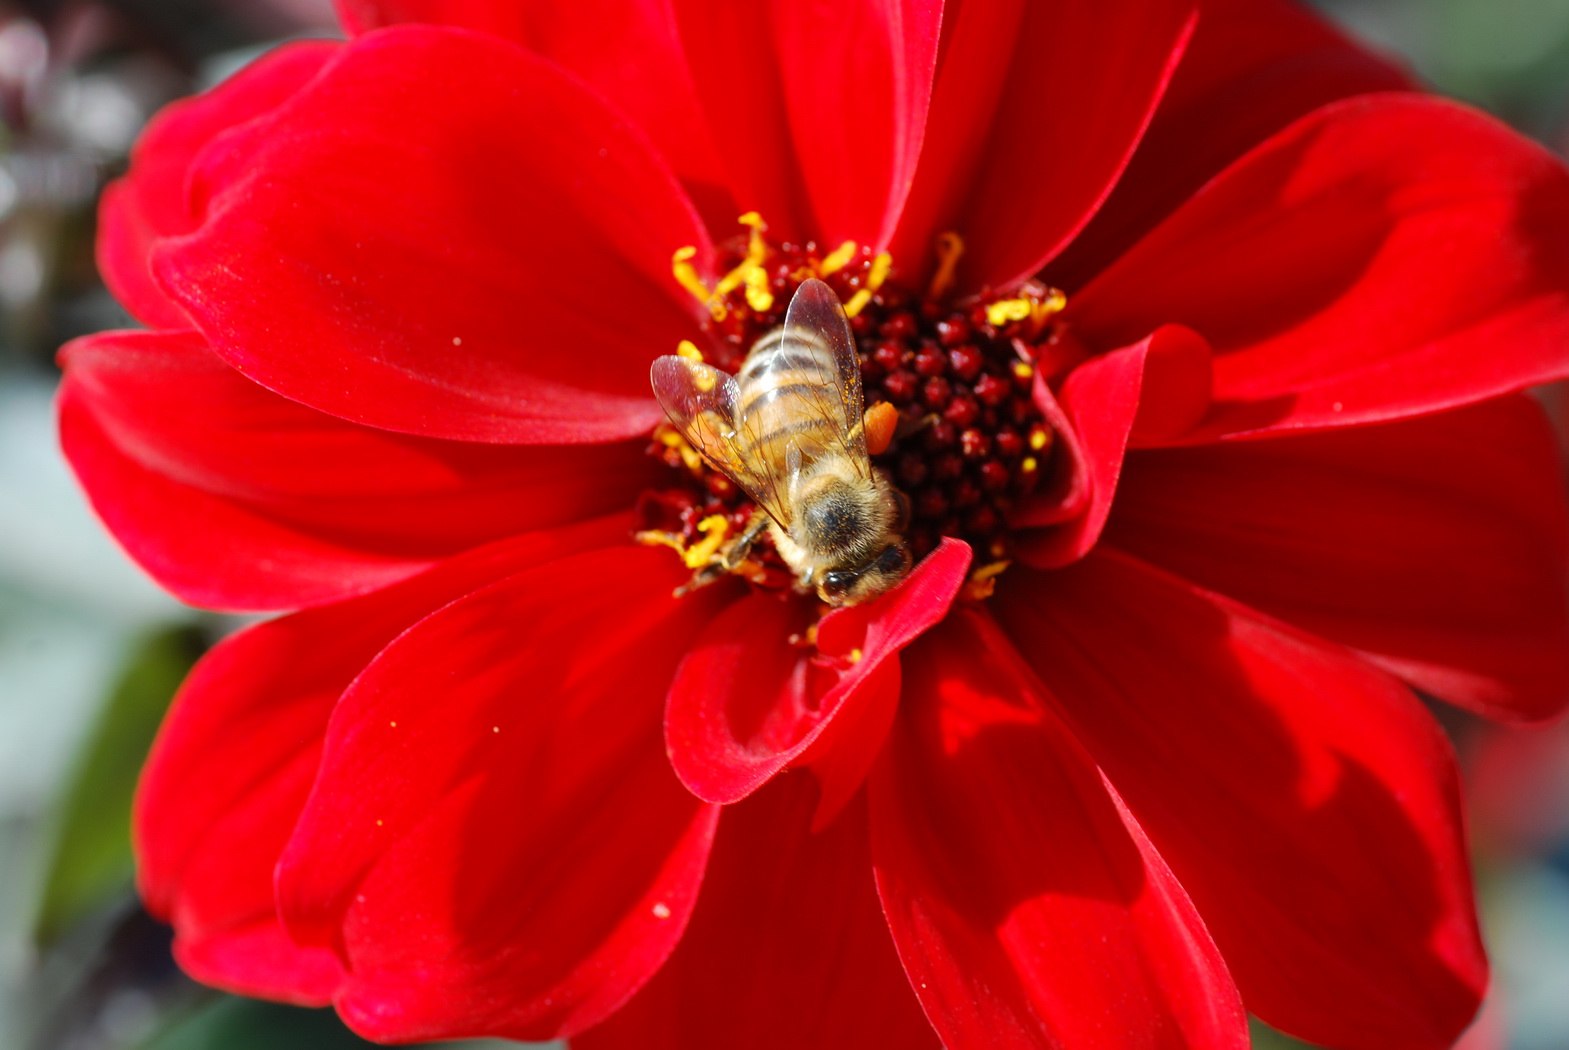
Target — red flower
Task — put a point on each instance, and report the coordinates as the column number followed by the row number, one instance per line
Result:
column 404, row 293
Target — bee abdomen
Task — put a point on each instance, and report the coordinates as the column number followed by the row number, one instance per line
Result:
column 787, row 395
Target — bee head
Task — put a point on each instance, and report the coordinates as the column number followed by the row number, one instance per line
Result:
column 865, row 582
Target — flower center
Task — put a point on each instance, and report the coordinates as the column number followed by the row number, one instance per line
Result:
column 962, row 439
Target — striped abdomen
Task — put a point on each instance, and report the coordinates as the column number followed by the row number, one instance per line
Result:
column 788, row 396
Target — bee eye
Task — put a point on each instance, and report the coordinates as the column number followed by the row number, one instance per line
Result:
column 894, row 560
column 835, row 584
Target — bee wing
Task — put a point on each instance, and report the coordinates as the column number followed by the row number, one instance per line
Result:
column 816, row 327
column 701, row 401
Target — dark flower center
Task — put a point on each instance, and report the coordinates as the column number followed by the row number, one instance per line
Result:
column 969, row 443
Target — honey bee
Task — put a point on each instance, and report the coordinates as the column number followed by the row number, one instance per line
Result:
column 789, row 430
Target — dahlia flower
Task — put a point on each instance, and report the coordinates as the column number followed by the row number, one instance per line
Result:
column 1205, row 335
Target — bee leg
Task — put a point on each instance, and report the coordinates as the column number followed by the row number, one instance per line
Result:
column 729, row 557
column 738, row 549
column 710, row 573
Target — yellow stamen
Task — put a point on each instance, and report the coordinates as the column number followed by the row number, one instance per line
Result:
column 755, row 242
column 661, row 538
column 670, row 437
column 749, row 271
column 874, row 280
column 758, row 297
column 1030, row 465
column 1055, row 302
column 838, row 258
column 1036, row 305
column 854, row 656
column 806, row 638
column 949, row 247
column 704, row 380
column 1039, row 438
column 983, row 581
column 1023, row 369
column 1006, row 311
column 879, row 272
column 689, row 350
column 714, row 527
column 686, row 273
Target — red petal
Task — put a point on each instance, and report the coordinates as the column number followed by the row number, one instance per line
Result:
column 1093, row 417
column 843, row 756
column 1028, row 907
column 818, row 109
column 234, row 497
column 1252, row 67
column 520, row 301
column 495, row 842
column 1439, row 546
column 745, row 702
column 152, row 201
column 1306, row 801
column 503, row 18
column 787, row 949
column 630, row 53
column 1021, row 87
column 238, row 752
column 1384, row 257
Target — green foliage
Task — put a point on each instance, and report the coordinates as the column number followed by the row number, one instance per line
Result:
column 91, row 859
column 245, row 1024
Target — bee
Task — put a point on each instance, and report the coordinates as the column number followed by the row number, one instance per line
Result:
column 790, row 431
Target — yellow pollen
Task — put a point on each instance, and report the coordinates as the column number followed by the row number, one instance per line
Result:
column 854, row 656
column 704, row 380
column 983, row 581
column 688, row 349
column 874, row 280
column 1039, row 438
column 393, row 724
column 879, row 273
column 1004, row 311
column 837, row 259
column 949, row 247
column 805, row 639
column 991, row 571
column 661, row 538
column 1034, row 307
column 686, row 273
column 714, row 527
column 749, row 271
column 758, row 297
column 1030, row 465
column 1023, row 369
column 670, row 437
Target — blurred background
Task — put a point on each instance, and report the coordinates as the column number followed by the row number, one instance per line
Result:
column 90, row 651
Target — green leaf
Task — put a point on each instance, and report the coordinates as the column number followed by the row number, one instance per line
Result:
column 1266, row 1038
column 246, row 1024
column 91, row 859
